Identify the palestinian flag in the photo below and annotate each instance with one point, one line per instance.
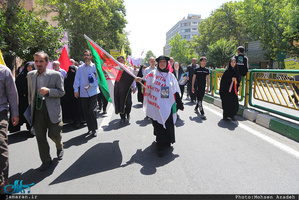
(115, 79)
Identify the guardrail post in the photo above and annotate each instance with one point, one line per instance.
(247, 90)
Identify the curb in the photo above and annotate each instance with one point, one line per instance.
(282, 127)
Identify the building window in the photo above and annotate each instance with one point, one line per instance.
(194, 23)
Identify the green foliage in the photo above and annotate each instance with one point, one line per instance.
(147, 56)
(224, 22)
(24, 33)
(220, 52)
(102, 21)
(275, 24)
(181, 50)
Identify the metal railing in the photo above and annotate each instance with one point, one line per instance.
(274, 87)
(268, 86)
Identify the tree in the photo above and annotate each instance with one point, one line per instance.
(24, 34)
(220, 53)
(102, 21)
(274, 23)
(147, 56)
(181, 50)
(224, 22)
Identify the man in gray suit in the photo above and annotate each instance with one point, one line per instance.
(45, 87)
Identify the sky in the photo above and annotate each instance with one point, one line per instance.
(149, 20)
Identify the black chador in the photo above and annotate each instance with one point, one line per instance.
(229, 98)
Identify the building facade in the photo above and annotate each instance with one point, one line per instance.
(186, 28)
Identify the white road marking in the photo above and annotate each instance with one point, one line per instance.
(280, 145)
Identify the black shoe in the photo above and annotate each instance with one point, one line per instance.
(94, 133)
(104, 112)
(233, 118)
(122, 121)
(45, 166)
(225, 119)
(196, 110)
(60, 154)
(203, 116)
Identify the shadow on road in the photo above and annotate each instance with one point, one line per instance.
(197, 119)
(190, 103)
(34, 175)
(69, 127)
(144, 122)
(230, 125)
(137, 106)
(18, 137)
(99, 158)
(149, 160)
(179, 122)
(77, 141)
(115, 125)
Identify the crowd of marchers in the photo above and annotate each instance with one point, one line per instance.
(45, 99)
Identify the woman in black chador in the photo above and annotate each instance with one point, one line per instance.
(229, 85)
(71, 106)
(21, 84)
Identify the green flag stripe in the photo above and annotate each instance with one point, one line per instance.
(101, 76)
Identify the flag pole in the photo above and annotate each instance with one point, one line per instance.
(107, 54)
(119, 64)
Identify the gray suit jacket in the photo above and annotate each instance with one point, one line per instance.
(53, 81)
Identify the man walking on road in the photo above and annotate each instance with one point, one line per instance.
(199, 80)
(45, 87)
(8, 100)
(86, 87)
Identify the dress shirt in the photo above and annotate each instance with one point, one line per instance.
(81, 79)
(63, 72)
(8, 92)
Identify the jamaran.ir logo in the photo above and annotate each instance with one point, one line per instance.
(17, 187)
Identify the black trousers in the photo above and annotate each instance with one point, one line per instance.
(102, 101)
(200, 93)
(128, 105)
(182, 88)
(89, 105)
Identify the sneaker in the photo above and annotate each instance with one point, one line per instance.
(203, 116)
(94, 133)
(45, 166)
(225, 119)
(233, 118)
(60, 153)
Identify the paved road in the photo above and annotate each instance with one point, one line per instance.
(209, 157)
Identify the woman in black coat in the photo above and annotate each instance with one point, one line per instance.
(229, 85)
(71, 107)
(139, 86)
(178, 71)
(21, 84)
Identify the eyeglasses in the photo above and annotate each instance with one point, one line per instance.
(86, 55)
